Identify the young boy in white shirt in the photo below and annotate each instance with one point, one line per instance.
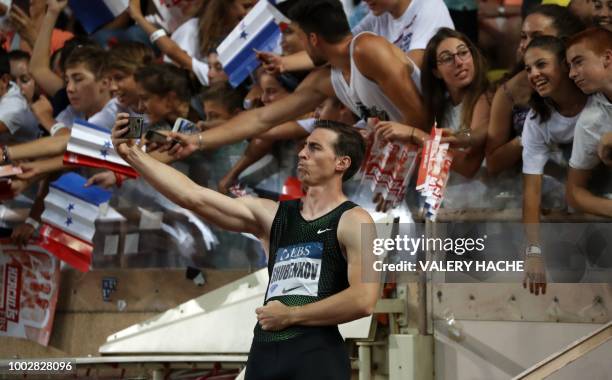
(589, 54)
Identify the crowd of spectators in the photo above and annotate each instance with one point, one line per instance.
(537, 131)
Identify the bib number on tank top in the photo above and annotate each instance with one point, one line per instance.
(297, 270)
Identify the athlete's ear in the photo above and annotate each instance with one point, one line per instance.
(343, 163)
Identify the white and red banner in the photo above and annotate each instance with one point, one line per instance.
(29, 286)
(91, 146)
(388, 168)
(69, 219)
(434, 172)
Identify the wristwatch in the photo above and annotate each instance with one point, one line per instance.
(533, 251)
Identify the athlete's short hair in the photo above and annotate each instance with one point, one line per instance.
(597, 39)
(349, 143)
(323, 17)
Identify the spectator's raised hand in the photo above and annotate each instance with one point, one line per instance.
(272, 63)
(43, 110)
(181, 145)
(105, 179)
(56, 6)
(23, 24)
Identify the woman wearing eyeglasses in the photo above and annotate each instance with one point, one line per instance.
(455, 92)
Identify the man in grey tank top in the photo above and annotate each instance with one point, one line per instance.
(324, 29)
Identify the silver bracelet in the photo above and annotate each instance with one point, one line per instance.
(56, 127)
(533, 251)
(156, 35)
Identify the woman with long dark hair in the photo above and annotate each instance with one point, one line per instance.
(547, 136)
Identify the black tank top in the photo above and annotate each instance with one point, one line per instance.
(305, 265)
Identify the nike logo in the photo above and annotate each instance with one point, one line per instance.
(285, 291)
(319, 232)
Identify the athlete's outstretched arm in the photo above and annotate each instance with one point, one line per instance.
(252, 215)
(311, 92)
(355, 302)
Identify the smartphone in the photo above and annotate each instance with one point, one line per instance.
(157, 137)
(135, 126)
(184, 126)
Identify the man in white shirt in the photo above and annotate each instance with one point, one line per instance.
(408, 24)
(589, 54)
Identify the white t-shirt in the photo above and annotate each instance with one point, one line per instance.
(414, 28)
(186, 37)
(105, 118)
(13, 108)
(541, 141)
(594, 121)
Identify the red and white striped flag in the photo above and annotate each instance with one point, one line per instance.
(71, 210)
(91, 146)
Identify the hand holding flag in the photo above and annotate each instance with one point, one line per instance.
(272, 63)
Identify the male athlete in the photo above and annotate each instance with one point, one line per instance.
(314, 248)
(367, 73)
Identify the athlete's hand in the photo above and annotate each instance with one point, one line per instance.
(274, 316)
